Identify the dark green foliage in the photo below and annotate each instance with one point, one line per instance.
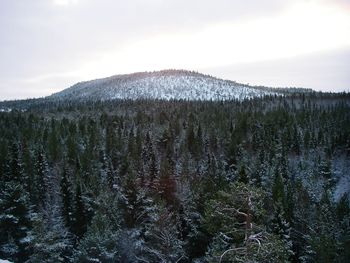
(15, 222)
(52, 242)
(242, 175)
(343, 207)
(176, 181)
(67, 199)
(14, 166)
(162, 242)
(235, 219)
(79, 224)
(40, 179)
(100, 242)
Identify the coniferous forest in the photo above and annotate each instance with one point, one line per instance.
(259, 180)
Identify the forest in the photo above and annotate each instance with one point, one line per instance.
(259, 180)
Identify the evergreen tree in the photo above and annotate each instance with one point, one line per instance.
(15, 222)
(79, 222)
(236, 237)
(52, 242)
(41, 178)
(167, 181)
(162, 243)
(14, 165)
(67, 200)
(100, 243)
(191, 139)
(242, 175)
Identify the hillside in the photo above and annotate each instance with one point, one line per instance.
(166, 84)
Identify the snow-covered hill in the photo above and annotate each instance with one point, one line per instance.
(166, 84)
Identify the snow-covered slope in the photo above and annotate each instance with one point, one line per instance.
(166, 84)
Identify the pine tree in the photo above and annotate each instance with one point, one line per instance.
(343, 247)
(54, 146)
(15, 222)
(237, 237)
(67, 200)
(79, 223)
(129, 199)
(243, 176)
(14, 165)
(326, 173)
(343, 208)
(41, 178)
(52, 241)
(162, 243)
(231, 154)
(100, 243)
(110, 138)
(323, 239)
(167, 183)
(191, 140)
(153, 171)
(281, 227)
(71, 148)
(278, 194)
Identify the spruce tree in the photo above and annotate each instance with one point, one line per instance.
(67, 199)
(79, 223)
(41, 177)
(242, 175)
(15, 218)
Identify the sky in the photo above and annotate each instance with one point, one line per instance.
(49, 45)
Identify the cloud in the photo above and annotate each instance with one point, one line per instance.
(326, 71)
(65, 2)
(53, 43)
(303, 29)
(342, 3)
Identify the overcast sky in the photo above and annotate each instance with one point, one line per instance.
(48, 45)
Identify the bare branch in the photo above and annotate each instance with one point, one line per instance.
(230, 250)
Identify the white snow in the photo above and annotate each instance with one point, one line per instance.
(342, 172)
(165, 85)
